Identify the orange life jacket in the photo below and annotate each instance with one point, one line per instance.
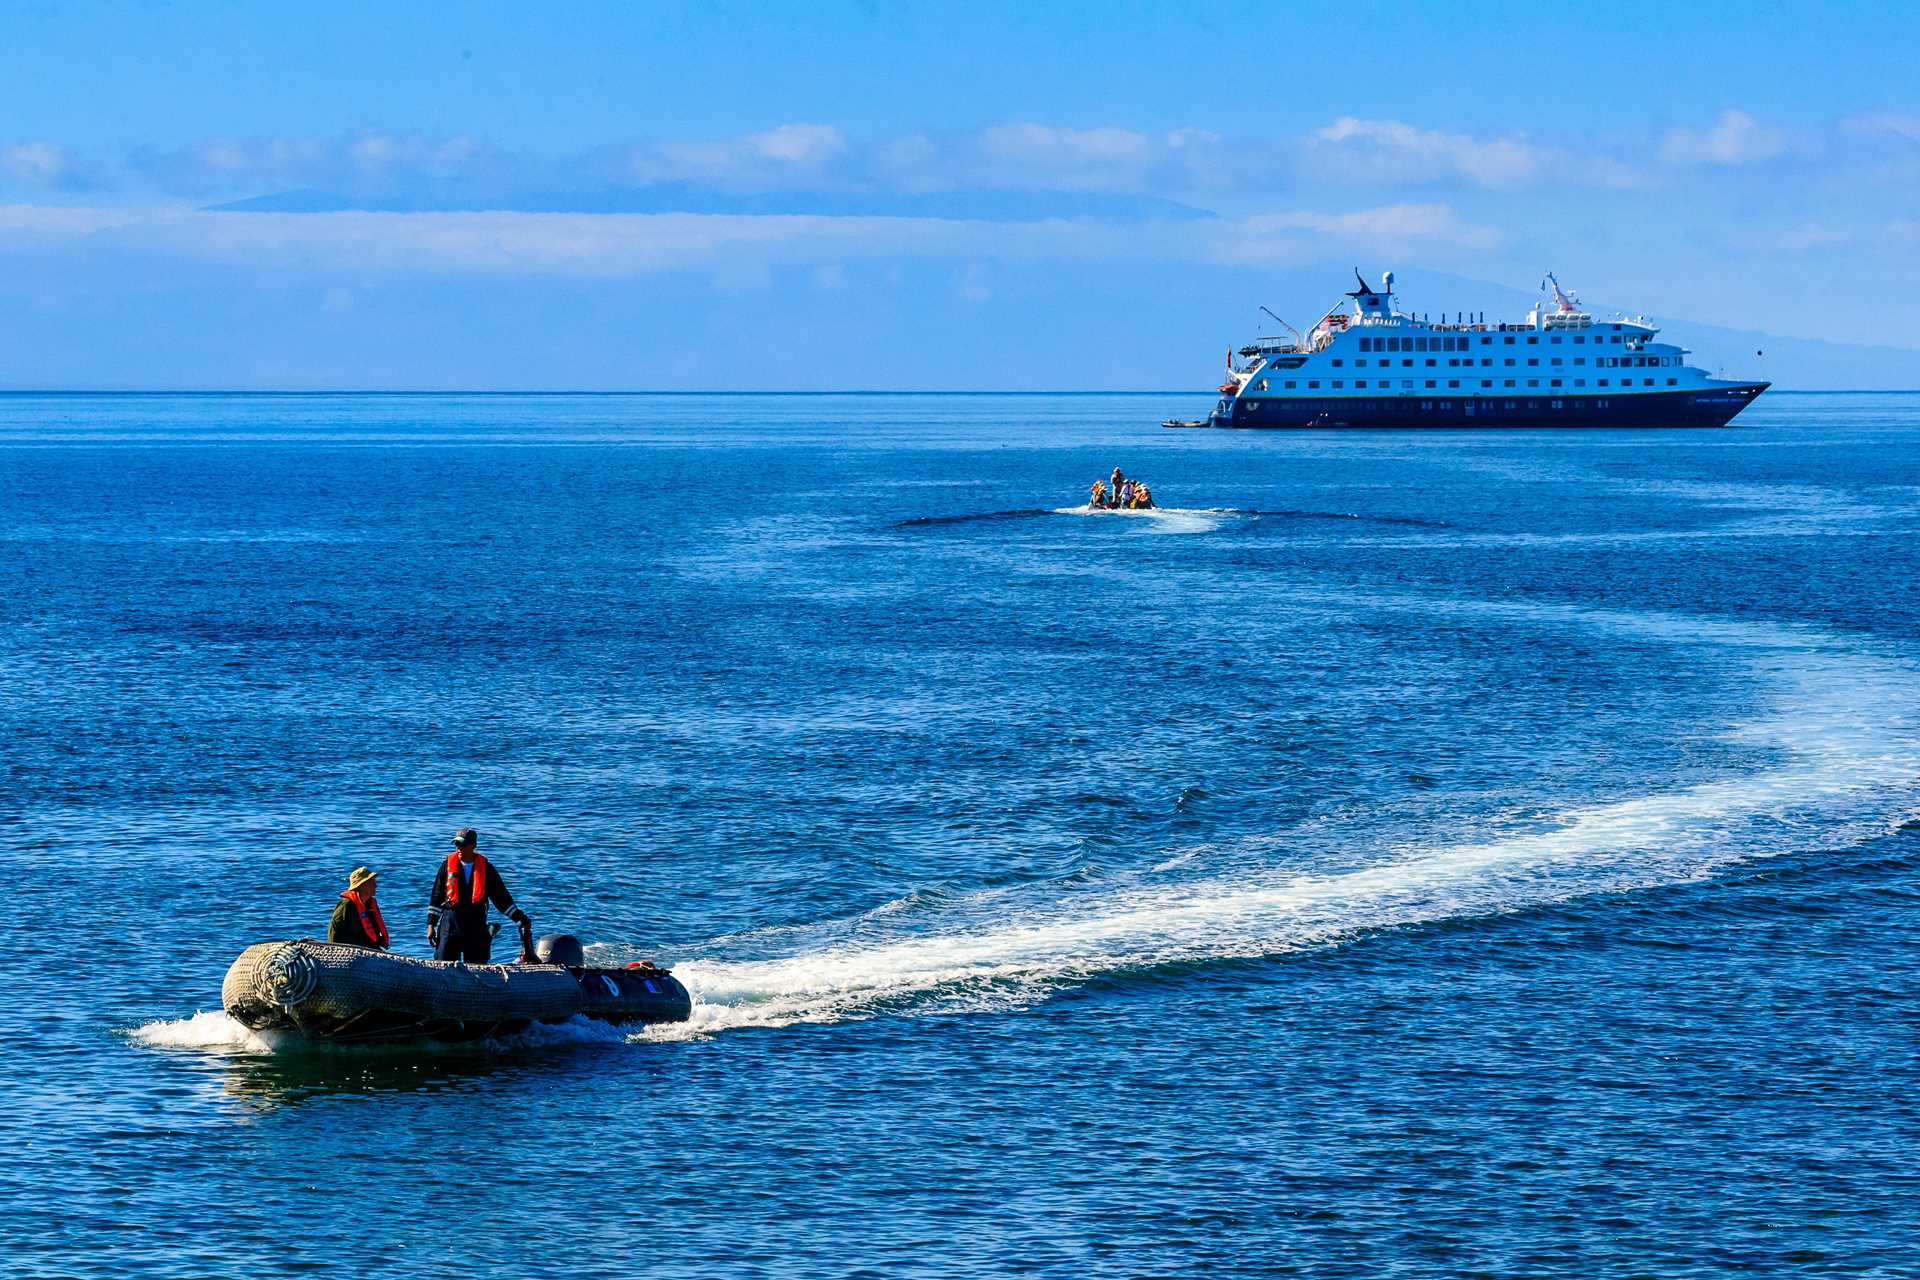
(453, 880)
(371, 924)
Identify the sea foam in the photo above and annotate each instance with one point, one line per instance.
(1842, 724)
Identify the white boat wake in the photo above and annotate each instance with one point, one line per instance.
(1843, 725)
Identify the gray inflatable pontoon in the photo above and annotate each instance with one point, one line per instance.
(351, 995)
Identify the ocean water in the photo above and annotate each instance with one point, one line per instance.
(1439, 854)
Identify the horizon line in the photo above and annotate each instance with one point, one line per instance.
(29, 392)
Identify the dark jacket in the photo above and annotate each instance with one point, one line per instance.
(465, 916)
(345, 927)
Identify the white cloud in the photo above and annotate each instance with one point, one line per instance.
(622, 245)
(1028, 156)
(1736, 138)
(1305, 236)
(1884, 123)
(1037, 155)
(41, 163)
(1390, 150)
(249, 164)
(774, 157)
(25, 226)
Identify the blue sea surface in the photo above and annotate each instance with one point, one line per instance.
(1423, 854)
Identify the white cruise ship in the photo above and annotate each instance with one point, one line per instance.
(1376, 366)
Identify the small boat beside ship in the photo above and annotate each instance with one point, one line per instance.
(335, 993)
(1375, 366)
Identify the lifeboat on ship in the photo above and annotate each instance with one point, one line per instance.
(334, 993)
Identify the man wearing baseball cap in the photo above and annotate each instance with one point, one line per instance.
(457, 908)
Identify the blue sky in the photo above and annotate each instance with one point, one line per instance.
(978, 195)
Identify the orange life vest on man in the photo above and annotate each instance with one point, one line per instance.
(479, 894)
(371, 924)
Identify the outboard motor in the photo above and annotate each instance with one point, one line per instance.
(562, 949)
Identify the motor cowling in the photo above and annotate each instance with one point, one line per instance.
(560, 948)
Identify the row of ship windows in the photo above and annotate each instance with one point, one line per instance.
(1461, 344)
(1428, 406)
(1361, 383)
(1600, 362)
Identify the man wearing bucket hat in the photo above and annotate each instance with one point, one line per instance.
(457, 908)
(356, 920)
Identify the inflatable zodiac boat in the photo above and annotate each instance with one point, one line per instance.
(351, 995)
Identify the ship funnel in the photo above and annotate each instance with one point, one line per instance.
(1386, 282)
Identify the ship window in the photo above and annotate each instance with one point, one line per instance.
(1360, 384)
(1406, 364)
(1673, 382)
(1533, 404)
(1533, 382)
(1313, 385)
(1603, 382)
(1556, 404)
(1553, 382)
(1578, 341)
(1366, 344)
(1292, 385)
(1557, 360)
(1533, 342)
(1406, 384)
(1579, 382)
(1429, 381)
(1533, 362)
(1453, 382)
(1509, 339)
(1555, 339)
(1336, 364)
(1429, 362)
(1486, 363)
(1508, 362)
(1485, 341)
(1647, 382)
(1579, 359)
(1508, 383)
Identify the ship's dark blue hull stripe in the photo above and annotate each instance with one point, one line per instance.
(1702, 407)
